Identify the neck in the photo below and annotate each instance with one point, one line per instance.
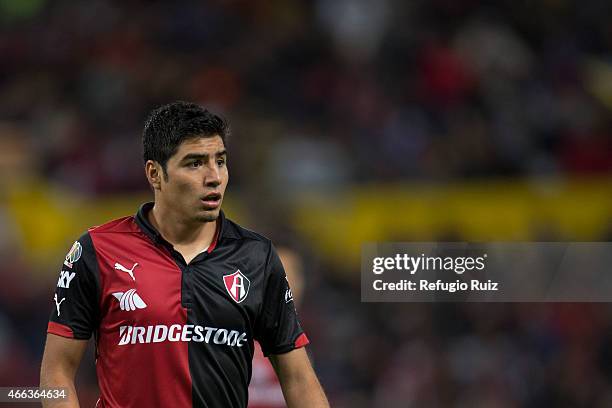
(180, 232)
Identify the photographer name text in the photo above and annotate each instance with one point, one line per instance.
(423, 264)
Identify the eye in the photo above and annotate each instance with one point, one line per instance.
(195, 164)
(220, 162)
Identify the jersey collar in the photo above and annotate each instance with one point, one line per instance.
(149, 230)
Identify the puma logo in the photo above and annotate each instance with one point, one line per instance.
(122, 268)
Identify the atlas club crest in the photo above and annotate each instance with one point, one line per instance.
(237, 285)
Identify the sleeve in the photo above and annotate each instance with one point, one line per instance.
(75, 302)
(279, 329)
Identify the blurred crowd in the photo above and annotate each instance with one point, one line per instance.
(344, 90)
(324, 94)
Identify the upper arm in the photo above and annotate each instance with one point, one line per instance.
(291, 365)
(75, 304)
(74, 312)
(298, 380)
(62, 355)
(278, 329)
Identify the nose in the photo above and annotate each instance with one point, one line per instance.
(212, 178)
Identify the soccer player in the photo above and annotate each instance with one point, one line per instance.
(176, 295)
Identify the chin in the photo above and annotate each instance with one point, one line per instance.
(208, 216)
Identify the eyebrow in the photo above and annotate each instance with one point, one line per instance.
(202, 156)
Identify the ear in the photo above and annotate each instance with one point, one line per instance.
(154, 174)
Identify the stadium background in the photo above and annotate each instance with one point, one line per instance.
(353, 121)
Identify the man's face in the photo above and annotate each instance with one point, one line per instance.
(197, 177)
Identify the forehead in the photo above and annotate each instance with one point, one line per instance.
(209, 145)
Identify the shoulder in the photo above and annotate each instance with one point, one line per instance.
(258, 245)
(113, 231)
(119, 225)
(234, 231)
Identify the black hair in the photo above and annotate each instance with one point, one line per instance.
(169, 125)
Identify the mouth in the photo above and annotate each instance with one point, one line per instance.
(211, 200)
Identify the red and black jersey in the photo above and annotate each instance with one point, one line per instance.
(168, 333)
